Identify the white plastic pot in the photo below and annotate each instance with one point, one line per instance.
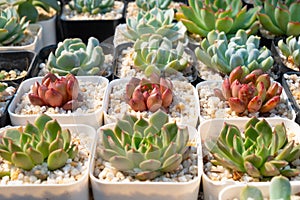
(104, 190)
(49, 31)
(93, 119)
(212, 128)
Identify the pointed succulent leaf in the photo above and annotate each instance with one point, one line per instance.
(57, 159)
(22, 160)
(171, 163)
(121, 163)
(150, 165)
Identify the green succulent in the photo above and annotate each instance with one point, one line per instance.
(12, 27)
(156, 53)
(280, 188)
(280, 18)
(149, 4)
(155, 21)
(92, 6)
(291, 50)
(44, 140)
(144, 149)
(75, 57)
(217, 53)
(259, 151)
(201, 17)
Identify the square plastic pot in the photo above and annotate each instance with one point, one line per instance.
(212, 128)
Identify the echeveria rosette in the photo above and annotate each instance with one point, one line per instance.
(91, 6)
(251, 93)
(150, 4)
(144, 148)
(291, 50)
(43, 141)
(217, 52)
(75, 57)
(280, 18)
(260, 151)
(157, 54)
(201, 17)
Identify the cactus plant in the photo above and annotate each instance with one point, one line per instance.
(252, 93)
(279, 18)
(12, 27)
(144, 149)
(155, 21)
(73, 56)
(91, 6)
(55, 92)
(157, 54)
(44, 140)
(201, 17)
(291, 50)
(259, 151)
(148, 5)
(217, 53)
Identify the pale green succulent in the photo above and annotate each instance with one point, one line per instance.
(279, 17)
(201, 17)
(12, 27)
(157, 54)
(75, 57)
(44, 140)
(149, 4)
(144, 149)
(291, 50)
(92, 6)
(260, 151)
(217, 53)
(155, 21)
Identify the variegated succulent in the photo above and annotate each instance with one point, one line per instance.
(251, 93)
(201, 17)
(259, 151)
(155, 21)
(155, 54)
(75, 57)
(149, 4)
(153, 94)
(279, 17)
(291, 50)
(92, 6)
(144, 148)
(222, 55)
(43, 141)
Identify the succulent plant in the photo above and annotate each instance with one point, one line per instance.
(259, 151)
(144, 149)
(280, 188)
(92, 6)
(149, 94)
(280, 18)
(227, 16)
(291, 50)
(45, 140)
(217, 53)
(251, 93)
(149, 4)
(73, 56)
(155, 53)
(155, 21)
(12, 27)
(55, 92)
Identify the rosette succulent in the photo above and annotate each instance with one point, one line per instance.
(75, 57)
(149, 4)
(12, 27)
(155, 21)
(144, 149)
(251, 93)
(92, 6)
(291, 50)
(259, 151)
(55, 92)
(156, 54)
(43, 141)
(280, 18)
(153, 94)
(201, 17)
(223, 56)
